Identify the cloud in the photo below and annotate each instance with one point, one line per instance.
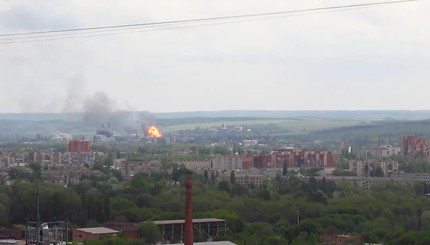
(33, 16)
(301, 62)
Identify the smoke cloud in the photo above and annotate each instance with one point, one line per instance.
(101, 110)
(74, 94)
(98, 109)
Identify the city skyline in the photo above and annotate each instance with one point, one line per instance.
(372, 58)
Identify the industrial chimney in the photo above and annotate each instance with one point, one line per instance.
(188, 238)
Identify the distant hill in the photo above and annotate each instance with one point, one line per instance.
(41, 116)
(341, 114)
(324, 124)
(331, 114)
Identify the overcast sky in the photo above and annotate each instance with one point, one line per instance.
(361, 59)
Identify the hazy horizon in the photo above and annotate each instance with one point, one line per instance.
(96, 117)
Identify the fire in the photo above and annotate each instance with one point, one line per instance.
(154, 132)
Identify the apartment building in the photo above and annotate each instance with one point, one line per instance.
(368, 167)
(296, 157)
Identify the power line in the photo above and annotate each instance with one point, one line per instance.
(174, 24)
(119, 32)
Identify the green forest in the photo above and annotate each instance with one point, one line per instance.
(284, 210)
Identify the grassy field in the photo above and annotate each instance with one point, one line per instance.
(358, 132)
(292, 126)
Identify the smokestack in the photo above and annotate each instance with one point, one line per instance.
(188, 238)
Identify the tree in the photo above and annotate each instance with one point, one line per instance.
(37, 170)
(323, 185)
(313, 184)
(238, 189)
(265, 194)
(425, 220)
(19, 173)
(212, 178)
(379, 172)
(150, 232)
(232, 177)
(258, 231)
(206, 175)
(420, 188)
(284, 168)
(177, 173)
(220, 150)
(317, 196)
(3, 216)
(224, 186)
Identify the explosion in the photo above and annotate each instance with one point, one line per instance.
(154, 132)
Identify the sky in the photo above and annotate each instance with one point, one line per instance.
(373, 58)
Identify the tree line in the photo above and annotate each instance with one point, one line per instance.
(283, 210)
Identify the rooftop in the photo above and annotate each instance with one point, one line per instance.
(98, 230)
(181, 221)
(210, 243)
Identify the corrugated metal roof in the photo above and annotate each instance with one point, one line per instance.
(98, 230)
(210, 243)
(8, 241)
(181, 221)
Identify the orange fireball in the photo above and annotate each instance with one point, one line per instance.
(154, 132)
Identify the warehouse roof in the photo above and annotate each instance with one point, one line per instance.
(98, 230)
(181, 221)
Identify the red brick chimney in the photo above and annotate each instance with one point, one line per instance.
(188, 237)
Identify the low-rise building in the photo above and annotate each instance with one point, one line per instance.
(247, 162)
(63, 176)
(172, 230)
(87, 234)
(383, 151)
(79, 146)
(196, 165)
(251, 179)
(415, 147)
(227, 162)
(367, 183)
(129, 230)
(130, 167)
(249, 143)
(65, 158)
(62, 137)
(368, 167)
(329, 239)
(296, 157)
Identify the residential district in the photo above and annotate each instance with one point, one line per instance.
(371, 166)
